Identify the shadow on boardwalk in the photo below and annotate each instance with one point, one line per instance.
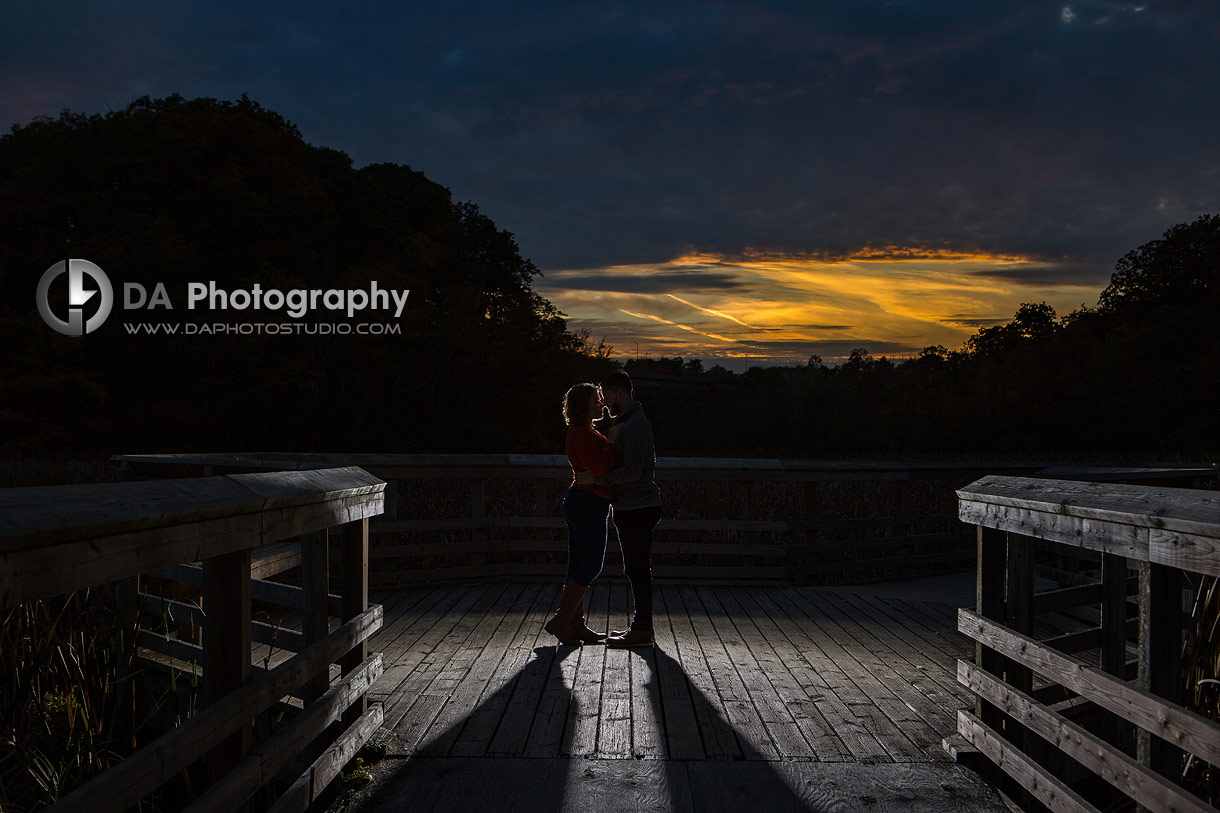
(681, 779)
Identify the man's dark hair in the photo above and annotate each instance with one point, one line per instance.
(618, 380)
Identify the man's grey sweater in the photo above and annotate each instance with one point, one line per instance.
(635, 460)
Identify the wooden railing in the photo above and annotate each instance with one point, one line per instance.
(462, 518)
(59, 539)
(1077, 716)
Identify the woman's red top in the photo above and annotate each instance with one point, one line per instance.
(588, 449)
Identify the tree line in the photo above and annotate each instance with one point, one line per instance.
(1133, 377)
(173, 190)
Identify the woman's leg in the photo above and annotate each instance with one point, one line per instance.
(587, 545)
(585, 514)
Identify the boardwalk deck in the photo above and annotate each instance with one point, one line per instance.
(811, 698)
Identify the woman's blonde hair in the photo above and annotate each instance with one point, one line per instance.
(576, 403)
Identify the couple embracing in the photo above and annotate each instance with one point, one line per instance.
(615, 469)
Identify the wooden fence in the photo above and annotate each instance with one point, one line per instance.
(59, 539)
(463, 518)
(1078, 716)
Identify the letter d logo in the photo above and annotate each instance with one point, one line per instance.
(78, 295)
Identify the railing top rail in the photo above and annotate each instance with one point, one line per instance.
(763, 467)
(56, 539)
(1174, 526)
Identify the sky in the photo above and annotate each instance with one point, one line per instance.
(745, 183)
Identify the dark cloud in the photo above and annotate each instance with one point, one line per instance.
(658, 282)
(1047, 276)
(974, 322)
(632, 133)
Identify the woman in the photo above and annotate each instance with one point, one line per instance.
(586, 509)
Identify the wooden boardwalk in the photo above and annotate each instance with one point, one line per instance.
(810, 698)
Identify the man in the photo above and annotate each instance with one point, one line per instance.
(636, 502)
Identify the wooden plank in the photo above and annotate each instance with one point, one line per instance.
(519, 650)
(313, 552)
(1185, 728)
(612, 715)
(1088, 533)
(355, 541)
(226, 647)
(285, 595)
(269, 560)
(890, 692)
(400, 579)
(1048, 790)
(719, 739)
(1160, 655)
(1091, 751)
(232, 790)
(45, 516)
(863, 729)
(743, 649)
(771, 651)
(313, 782)
(444, 670)
(526, 692)
(1185, 510)
(1197, 552)
(138, 531)
(670, 690)
(125, 784)
(646, 714)
(387, 526)
(310, 785)
(935, 694)
(552, 728)
(417, 640)
(849, 678)
(1049, 601)
(579, 678)
(887, 563)
(1018, 604)
(989, 601)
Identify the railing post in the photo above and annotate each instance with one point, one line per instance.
(315, 584)
(1114, 640)
(478, 510)
(1160, 662)
(355, 599)
(809, 510)
(542, 499)
(391, 500)
(1019, 601)
(226, 646)
(1019, 611)
(989, 603)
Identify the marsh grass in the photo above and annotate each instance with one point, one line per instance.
(63, 701)
(1202, 663)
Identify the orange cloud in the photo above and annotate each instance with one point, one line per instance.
(784, 308)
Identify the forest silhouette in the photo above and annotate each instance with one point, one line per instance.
(174, 190)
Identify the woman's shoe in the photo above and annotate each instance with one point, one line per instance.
(563, 629)
(631, 638)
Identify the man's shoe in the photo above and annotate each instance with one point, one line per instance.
(631, 638)
(583, 632)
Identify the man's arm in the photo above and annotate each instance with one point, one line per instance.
(637, 445)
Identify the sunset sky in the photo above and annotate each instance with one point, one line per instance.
(747, 183)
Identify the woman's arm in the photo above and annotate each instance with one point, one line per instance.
(594, 452)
